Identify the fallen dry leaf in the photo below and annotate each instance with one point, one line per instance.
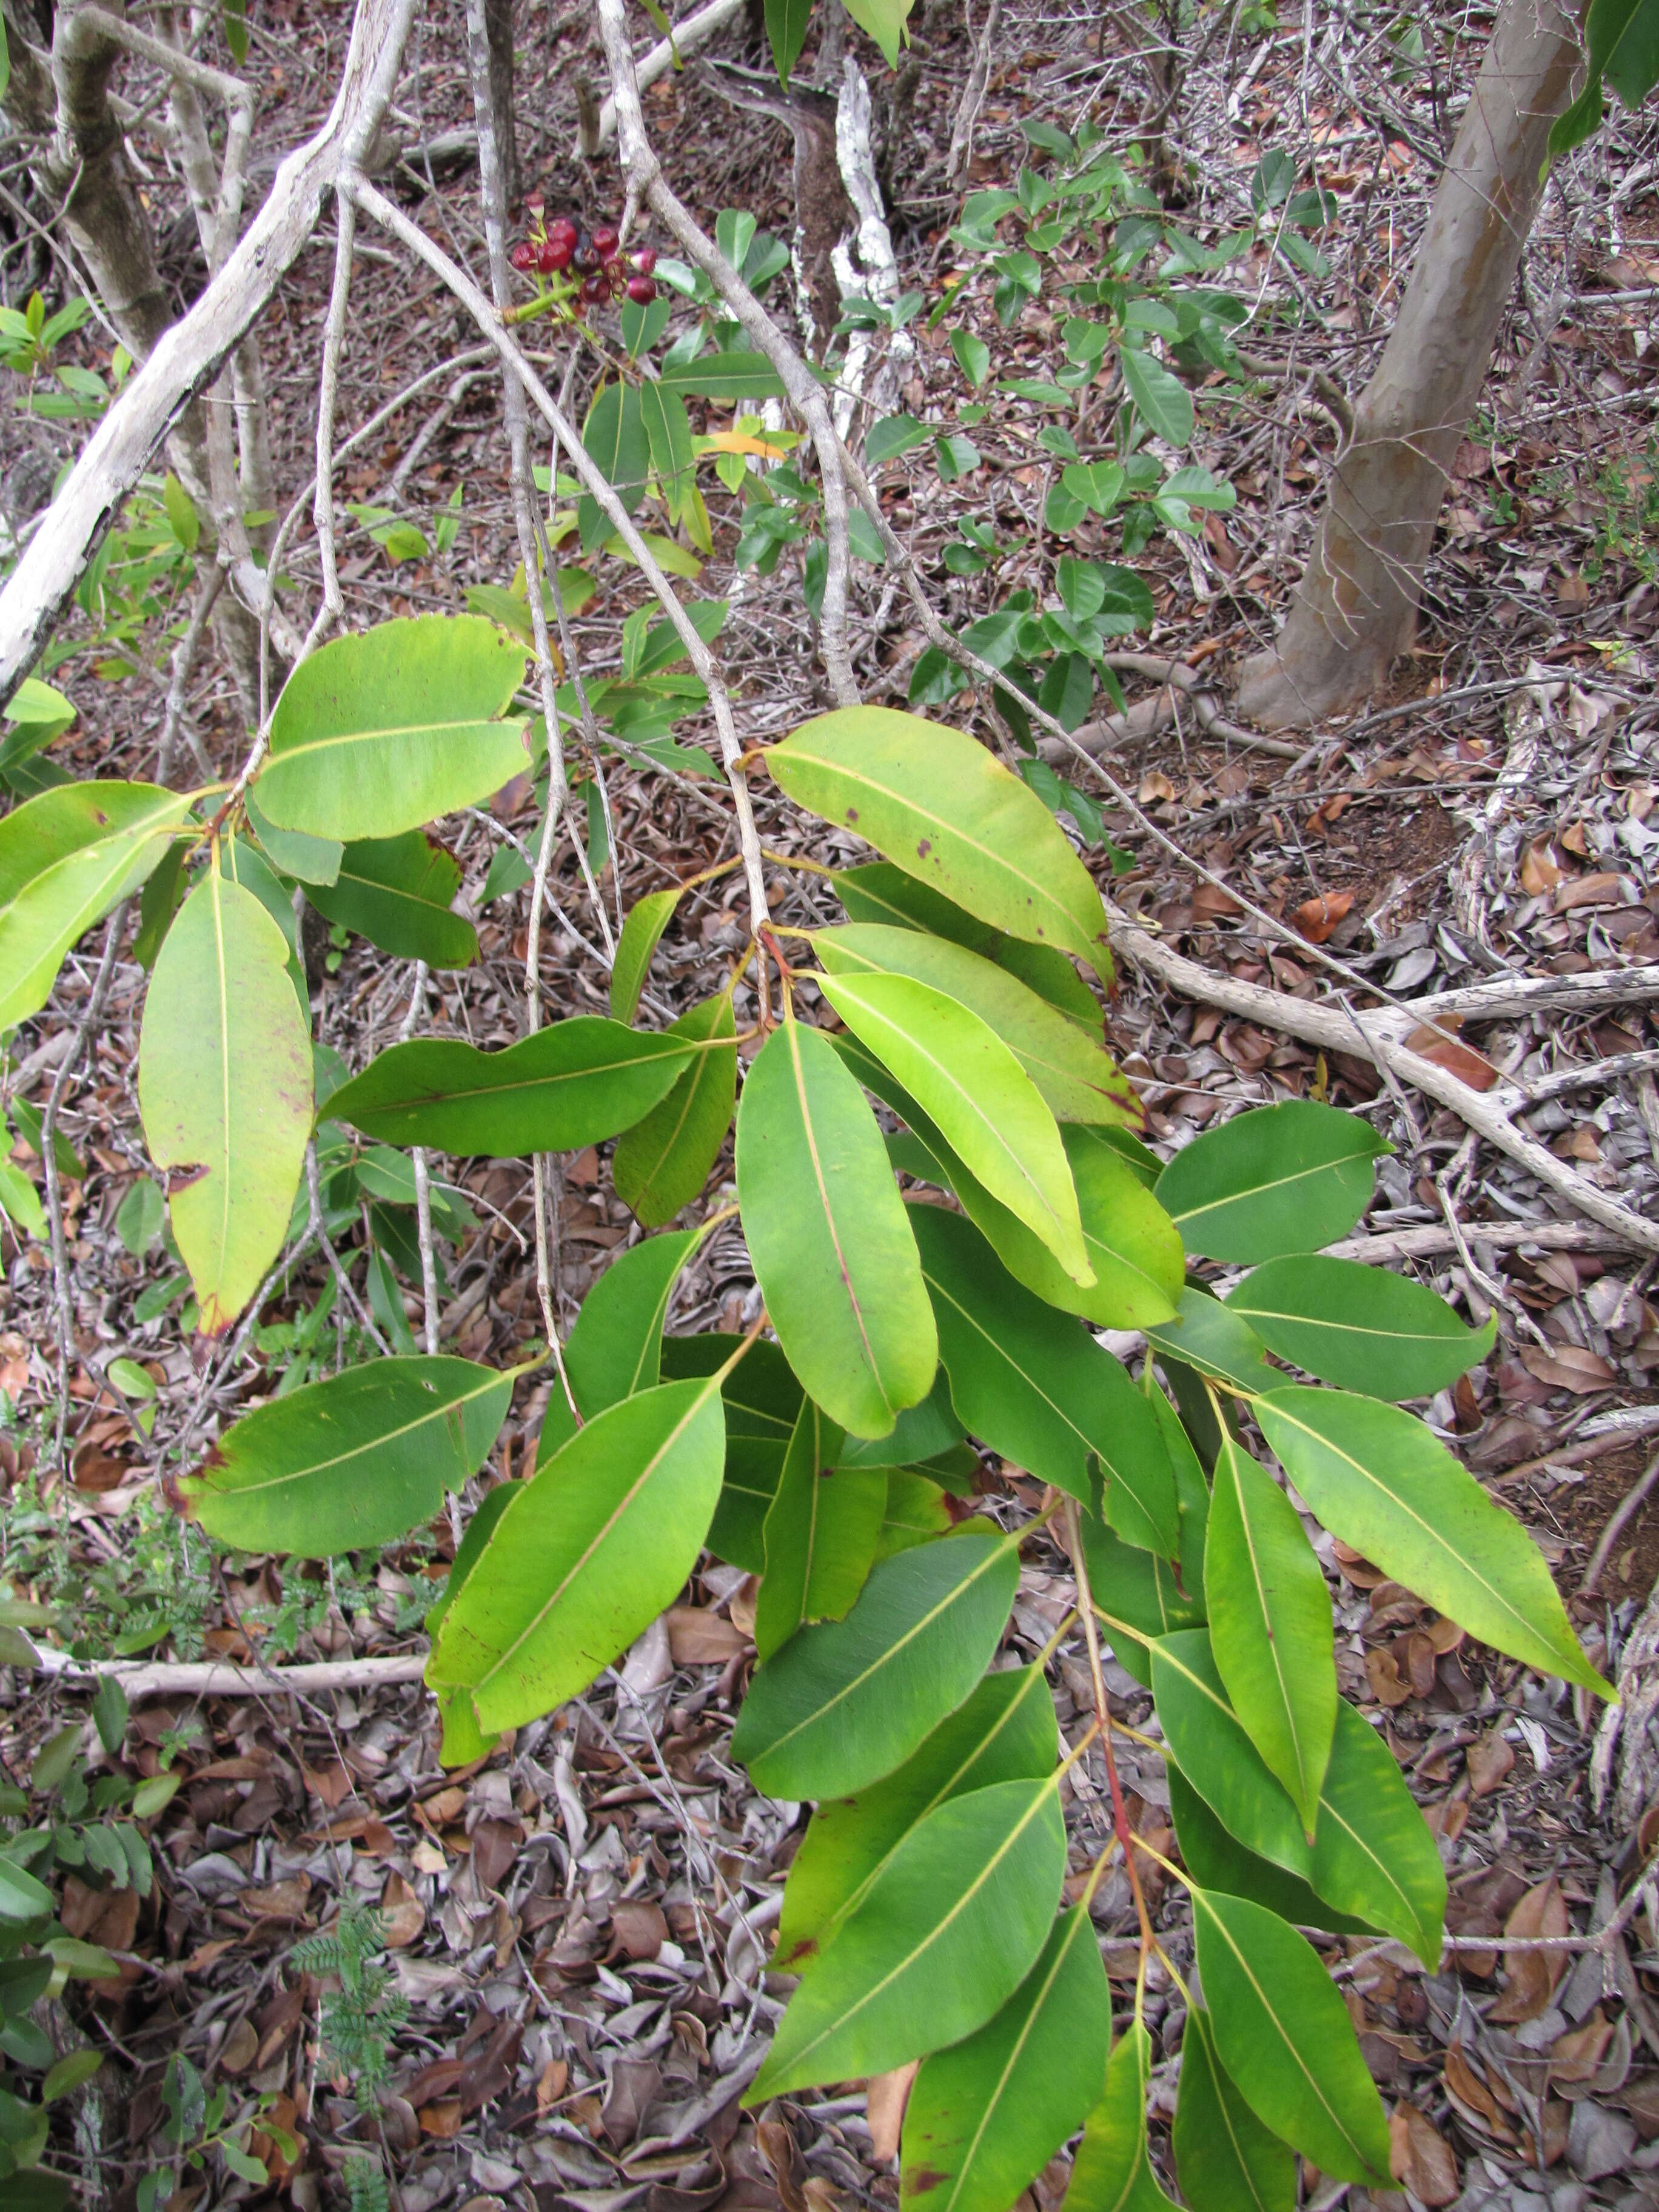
(640, 1928)
(698, 1637)
(884, 2103)
(402, 1914)
(276, 1900)
(239, 2048)
(1531, 1976)
(1576, 2056)
(1489, 1761)
(1458, 1059)
(442, 2120)
(1211, 903)
(1467, 2089)
(1568, 1367)
(1383, 1674)
(1600, 889)
(1540, 871)
(1419, 2157)
(1316, 918)
(1154, 786)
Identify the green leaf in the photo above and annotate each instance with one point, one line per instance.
(820, 1536)
(762, 1399)
(310, 859)
(987, 1108)
(615, 1350)
(915, 1511)
(663, 1161)
(1382, 1482)
(1113, 2171)
(878, 892)
(20, 1202)
(884, 20)
(1276, 1180)
(1225, 2160)
(668, 433)
(725, 377)
(225, 1089)
(1137, 1596)
(985, 2117)
(1375, 1857)
(1216, 1860)
(234, 18)
(1039, 1389)
(587, 1556)
(1078, 1081)
(1212, 1338)
(22, 1898)
(973, 357)
(1210, 1744)
(1284, 2035)
(944, 1934)
(1271, 1628)
(829, 1235)
(648, 917)
(1130, 1241)
(935, 801)
(1359, 1327)
(843, 1704)
(396, 891)
(1163, 399)
(1004, 1732)
(892, 435)
(572, 1084)
(72, 2072)
(614, 436)
(922, 1432)
(379, 732)
(248, 866)
(359, 1459)
(66, 858)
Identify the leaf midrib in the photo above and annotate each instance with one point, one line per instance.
(428, 1414)
(426, 727)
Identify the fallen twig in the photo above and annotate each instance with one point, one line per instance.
(216, 1678)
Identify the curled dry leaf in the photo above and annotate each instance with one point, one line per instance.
(1419, 2157)
(698, 1637)
(1568, 1367)
(1540, 871)
(1489, 1761)
(1532, 1975)
(1460, 1060)
(640, 1928)
(402, 1914)
(1316, 918)
(1472, 2096)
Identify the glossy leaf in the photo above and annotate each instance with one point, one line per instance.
(1279, 1179)
(594, 1546)
(572, 1084)
(938, 803)
(922, 1432)
(878, 892)
(1374, 1855)
(1225, 2160)
(1383, 1483)
(845, 1703)
(1162, 398)
(396, 891)
(1039, 1389)
(615, 1347)
(985, 2117)
(944, 1934)
(379, 732)
(308, 859)
(986, 1107)
(1131, 1243)
(663, 1161)
(1139, 1595)
(360, 1459)
(1283, 2033)
(648, 917)
(1212, 1338)
(828, 1235)
(799, 1523)
(1004, 1732)
(1113, 2171)
(66, 858)
(1077, 1079)
(884, 20)
(1217, 1860)
(1361, 1328)
(225, 1091)
(762, 1399)
(915, 1510)
(1210, 1744)
(1271, 1629)
(785, 32)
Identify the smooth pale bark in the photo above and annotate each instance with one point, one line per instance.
(1356, 608)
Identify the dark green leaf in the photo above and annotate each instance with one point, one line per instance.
(762, 1399)
(663, 1161)
(1361, 1328)
(1278, 1179)
(1113, 2171)
(1227, 2161)
(397, 892)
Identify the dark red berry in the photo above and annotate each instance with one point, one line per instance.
(555, 254)
(605, 240)
(584, 260)
(594, 288)
(522, 255)
(562, 231)
(641, 290)
(546, 256)
(645, 259)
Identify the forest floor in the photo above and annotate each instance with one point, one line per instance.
(576, 1929)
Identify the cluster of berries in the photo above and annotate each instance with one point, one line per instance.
(589, 262)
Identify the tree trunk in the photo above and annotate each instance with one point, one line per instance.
(1356, 607)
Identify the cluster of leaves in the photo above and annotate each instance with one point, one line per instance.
(29, 340)
(64, 1822)
(158, 1588)
(922, 1911)
(195, 2122)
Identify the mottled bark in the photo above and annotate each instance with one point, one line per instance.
(1355, 610)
